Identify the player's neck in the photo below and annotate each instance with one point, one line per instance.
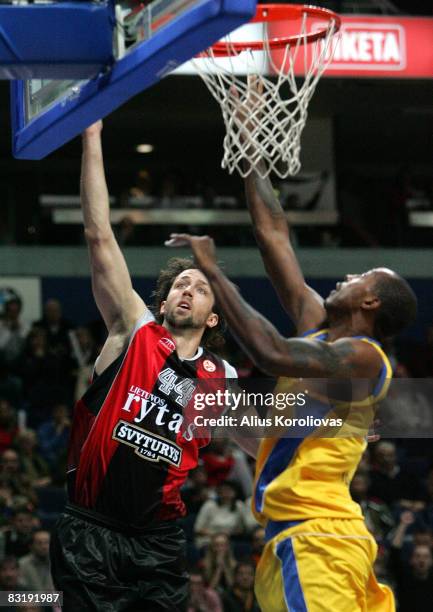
(347, 326)
(187, 341)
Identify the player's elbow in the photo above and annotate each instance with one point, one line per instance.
(101, 246)
(98, 237)
(272, 232)
(268, 361)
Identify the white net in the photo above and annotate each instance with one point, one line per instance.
(264, 115)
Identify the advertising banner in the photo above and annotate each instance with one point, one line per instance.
(399, 47)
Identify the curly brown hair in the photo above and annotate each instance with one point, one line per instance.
(213, 338)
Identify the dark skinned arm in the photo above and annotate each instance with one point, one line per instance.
(297, 357)
(271, 229)
(267, 348)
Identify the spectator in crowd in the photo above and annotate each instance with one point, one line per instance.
(378, 516)
(6, 505)
(10, 580)
(257, 544)
(53, 435)
(19, 486)
(218, 461)
(33, 464)
(56, 328)
(9, 574)
(225, 514)
(47, 377)
(381, 567)
(219, 563)
(389, 483)
(201, 597)
(414, 581)
(11, 387)
(16, 539)
(35, 567)
(8, 424)
(241, 598)
(13, 331)
(423, 536)
(140, 190)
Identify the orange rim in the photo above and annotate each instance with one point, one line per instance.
(278, 12)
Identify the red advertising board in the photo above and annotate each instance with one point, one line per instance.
(400, 47)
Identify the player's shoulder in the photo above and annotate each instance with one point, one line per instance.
(363, 354)
(148, 323)
(146, 318)
(151, 336)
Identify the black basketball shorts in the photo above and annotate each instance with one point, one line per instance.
(100, 569)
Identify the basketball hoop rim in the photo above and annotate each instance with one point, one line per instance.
(267, 13)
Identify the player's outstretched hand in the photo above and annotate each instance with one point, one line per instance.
(94, 129)
(248, 107)
(203, 248)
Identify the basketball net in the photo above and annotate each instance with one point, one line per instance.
(262, 122)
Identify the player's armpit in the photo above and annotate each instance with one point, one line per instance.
(117, 342)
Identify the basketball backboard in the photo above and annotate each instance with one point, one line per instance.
(150, 40)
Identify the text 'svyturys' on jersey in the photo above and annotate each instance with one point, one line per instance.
(130, 451)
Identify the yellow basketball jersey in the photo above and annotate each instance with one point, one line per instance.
(307, 478)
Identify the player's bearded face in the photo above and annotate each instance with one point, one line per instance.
(190, 302)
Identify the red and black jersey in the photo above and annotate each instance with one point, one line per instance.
(130, 452)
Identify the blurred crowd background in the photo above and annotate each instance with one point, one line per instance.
(366, 211)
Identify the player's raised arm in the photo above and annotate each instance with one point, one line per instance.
(296, 357)
(267, 348)
(271, 230)
(302, 303)
(117, 302)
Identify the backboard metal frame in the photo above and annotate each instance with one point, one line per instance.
(85, 102)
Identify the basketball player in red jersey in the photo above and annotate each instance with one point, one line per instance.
(117, 546)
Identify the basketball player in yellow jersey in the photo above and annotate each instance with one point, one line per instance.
(319, 555)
